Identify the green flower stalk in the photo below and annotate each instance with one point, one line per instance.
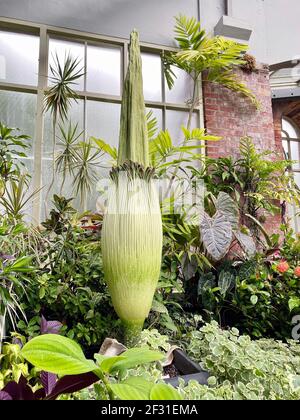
(132, 226)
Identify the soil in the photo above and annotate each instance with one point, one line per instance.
(171, 371)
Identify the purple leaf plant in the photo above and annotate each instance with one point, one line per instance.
(52, 386)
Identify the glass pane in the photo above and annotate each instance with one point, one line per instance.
(174, 121)
(103, 121)
(19, 55)
(28, 165)
(297, 178)
(157, 113)
(62, 49)
(285, 148)
(295, 149)
(59, 187)
(182, 90)
(290, 129)
(104, 69)
(75, 115)
(18, 110)
(152, 77)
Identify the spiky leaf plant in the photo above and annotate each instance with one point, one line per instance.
(132, 228)
(59, 97)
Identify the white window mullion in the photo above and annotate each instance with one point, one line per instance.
(39, 130)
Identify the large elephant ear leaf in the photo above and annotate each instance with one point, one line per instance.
(227, 206)
(216, 235)
(246, 242)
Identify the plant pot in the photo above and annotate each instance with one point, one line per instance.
(188, 370)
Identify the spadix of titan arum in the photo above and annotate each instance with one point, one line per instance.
(132, 226)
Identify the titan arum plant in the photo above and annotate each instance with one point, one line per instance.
(132, 226)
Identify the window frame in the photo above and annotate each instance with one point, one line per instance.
(288, 139)
(45, 32)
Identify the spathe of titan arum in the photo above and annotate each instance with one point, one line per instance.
(132, 226)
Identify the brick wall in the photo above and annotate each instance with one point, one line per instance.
(232, 116)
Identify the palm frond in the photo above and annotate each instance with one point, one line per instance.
(216, 57)
(160, 147)
(198, 134)
(230, 81)
(106, 148)
(189, 33)
(152, 126)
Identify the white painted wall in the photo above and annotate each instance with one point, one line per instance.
(283, 30)
(276, 27)
(275, 23)
(253, 12)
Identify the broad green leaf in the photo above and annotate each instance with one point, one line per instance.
(159, 307)
(56, 354)
(136, 357)
(21, 264)
(164, 392)
(128, 392)
(254, 300)
(42, 292)
(294, 303)
(226, 282)
(99, 358)
(106, 362)
(138, 382)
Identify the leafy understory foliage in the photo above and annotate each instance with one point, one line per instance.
(257, 180)
(64, 357)
(243, 369)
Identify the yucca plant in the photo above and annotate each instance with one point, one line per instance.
(17, 197)
(59, 97)
(66, 157)
(132, 227)
(85, 169)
